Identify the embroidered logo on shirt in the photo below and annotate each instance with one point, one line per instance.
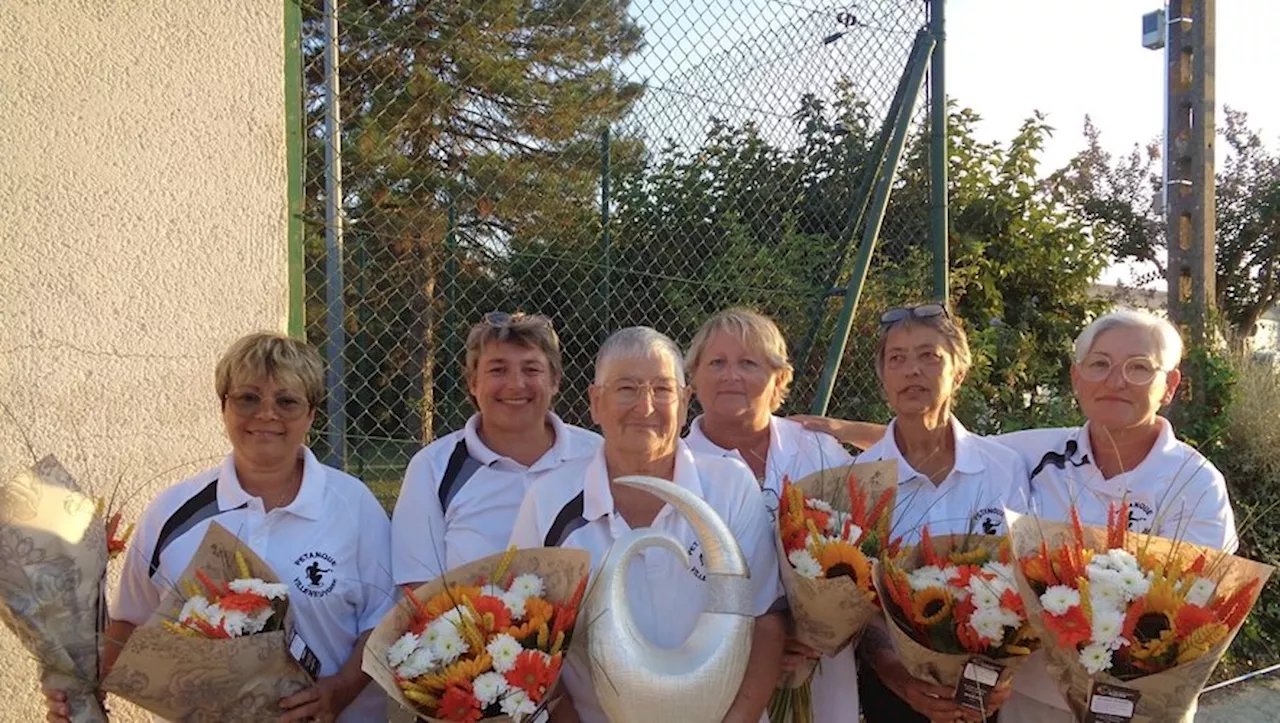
(317, 574)
(988, 521)
(699, 566)
(1140, 516)
(1060, 460)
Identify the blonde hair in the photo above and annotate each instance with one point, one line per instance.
(267, 355)
(756, 332)
(532, 331)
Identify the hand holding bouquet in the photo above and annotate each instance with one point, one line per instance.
(950, 600)
(484, 642)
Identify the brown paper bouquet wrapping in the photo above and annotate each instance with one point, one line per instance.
(186, 678)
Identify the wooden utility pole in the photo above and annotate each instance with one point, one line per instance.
(1189, 176)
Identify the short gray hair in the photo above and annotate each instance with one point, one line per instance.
(1164, 336)
(638, 342)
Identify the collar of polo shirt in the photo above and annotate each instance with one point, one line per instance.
(968, 460)
(481, 453)
(1166, 444)
(309, 502)
(597, 498)
(779, 448)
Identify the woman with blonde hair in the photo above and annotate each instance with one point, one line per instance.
(287, 507)
(740, 373)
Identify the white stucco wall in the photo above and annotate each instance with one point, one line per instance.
(142, 228)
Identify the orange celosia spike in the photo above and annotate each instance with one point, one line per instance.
(878, 510)
(857, 500)
(927, 553)
(210, 587)
(1077, 529)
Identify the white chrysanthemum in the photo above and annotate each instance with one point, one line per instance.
(420, 662)
(449, 646)
(194, 607)
(236, 623)
(432, 633)
(805, 563)
(1107, 626)
(1135, 583)
(983, 593)
(503, 649)
(1201, 591)
(1096, 658)
(453, 617)
(820, 506)
(517, 704)
(1000, 571)
(492, 590)
(401, 649)
(1058, 599)
(488, 687)
(269, 590)
(1106, 596)
(1122, 560)
(926, 577)
(258, 621)
(515, 604)
(990, 623)
(528, 585)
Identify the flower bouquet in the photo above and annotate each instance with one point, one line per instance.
(1130, 620)
(485, 641)
(831, 527)
(55, 542)
(220, 646)
(955, 614)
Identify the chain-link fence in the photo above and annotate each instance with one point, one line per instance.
(603, 162)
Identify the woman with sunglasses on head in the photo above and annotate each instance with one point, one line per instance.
(293, 511)
(1125, 370)
(950, 480)
(739, 371)
(461, 492)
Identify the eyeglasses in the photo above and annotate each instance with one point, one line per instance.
(250, 404)
(1136, 370)
(503, 320)
(923, 311)
(627, 391)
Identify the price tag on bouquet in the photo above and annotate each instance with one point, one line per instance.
(1111, 704)
(979, 677)
(302, 653)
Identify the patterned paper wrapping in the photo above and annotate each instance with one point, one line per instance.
(193, 679)
(828, 613)
(53, 557)
(560, 569)
(930, 665)
(1166, 696)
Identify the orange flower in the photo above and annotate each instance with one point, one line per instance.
(1070, 629)
(965, 633)
(1191, 618)
(493, 612)
(534, 673)
(1010, 600)
(1232, 609)
(245, 602)
(459, 704)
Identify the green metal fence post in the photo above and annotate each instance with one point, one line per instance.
(835, 351)
(293, 119)
(938, 154)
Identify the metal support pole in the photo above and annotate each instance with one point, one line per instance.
(871, 165)
(880, 201)
(336, 399)
(606, 290)
(938, 221)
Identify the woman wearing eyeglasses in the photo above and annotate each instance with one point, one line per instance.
(1125, 369)
(740, 373)
(293, 511)
(639, 400)
(948, 479)
(461, 493)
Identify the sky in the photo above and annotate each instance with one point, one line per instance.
(752, 60)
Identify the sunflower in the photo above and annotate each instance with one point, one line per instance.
(1149, 655)
(839, 558)
(931, 606)
(1163, 597)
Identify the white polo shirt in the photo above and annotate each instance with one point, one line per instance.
(665, 597)
(794, 453)
(433, 532)
(331, 546)
(1175, 492)
(985, 479)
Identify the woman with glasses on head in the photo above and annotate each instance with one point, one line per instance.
(461, 492)
(1125, 370)
(639, 400)
(740, 373)
(948, 479)
(293, 511)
